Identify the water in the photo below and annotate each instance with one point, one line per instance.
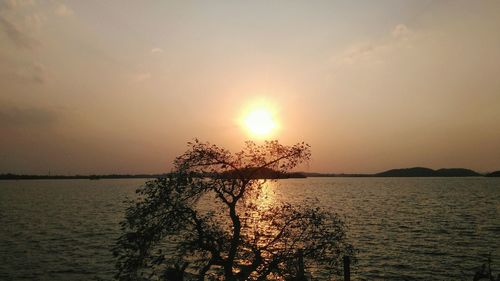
(404, 228)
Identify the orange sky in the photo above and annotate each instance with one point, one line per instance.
(121, 86)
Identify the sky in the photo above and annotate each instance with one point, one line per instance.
(121, 86)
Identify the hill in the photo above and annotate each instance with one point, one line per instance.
(426, 172)
(494, 174)
(457, 172)
(408, 172)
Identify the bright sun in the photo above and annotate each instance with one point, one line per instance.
(260, 122)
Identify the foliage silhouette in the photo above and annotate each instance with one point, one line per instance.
(170, 231)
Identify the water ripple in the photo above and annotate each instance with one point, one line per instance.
(405, 229)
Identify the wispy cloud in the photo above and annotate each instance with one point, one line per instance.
(16, 71)
(15, 4)
(401, 31)
(20, 22)
(157, 50)
(34, 73)
(64, 11)
(14, 116)
(374, 52)
(34, 21)
(19, 37)
(141, 77)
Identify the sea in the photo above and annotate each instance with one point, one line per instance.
(403, 228)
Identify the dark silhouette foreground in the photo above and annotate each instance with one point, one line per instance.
(485, 273)
(170, 233)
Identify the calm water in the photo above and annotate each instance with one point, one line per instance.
(405, 229)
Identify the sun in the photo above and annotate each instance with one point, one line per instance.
(260, 122)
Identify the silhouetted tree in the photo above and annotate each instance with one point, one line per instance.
(205, 221)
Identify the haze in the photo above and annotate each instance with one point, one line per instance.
(121, 86)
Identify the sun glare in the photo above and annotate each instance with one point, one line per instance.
(260, 122)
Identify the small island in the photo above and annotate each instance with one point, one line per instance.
(426, 172)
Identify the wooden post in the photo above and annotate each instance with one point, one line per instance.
(301, 274)
(347, 268)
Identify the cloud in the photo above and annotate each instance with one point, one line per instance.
(64, 11)
(20, 38)
(34, 21)
(142, 77)
(15, 117)
(34, 73)
(15, 4)
(401, 31)
(356, 53)
(375, 52)
(20, 23)
(157, 50)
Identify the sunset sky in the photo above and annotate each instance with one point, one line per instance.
(121, 86)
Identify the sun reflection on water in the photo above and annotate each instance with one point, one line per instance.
(266, 197)
(259, 216)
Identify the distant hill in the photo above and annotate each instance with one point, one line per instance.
(426, 172)
(494, 174)
(457, 172)
(408, 172)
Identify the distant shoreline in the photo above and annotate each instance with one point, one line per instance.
(406, 172)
